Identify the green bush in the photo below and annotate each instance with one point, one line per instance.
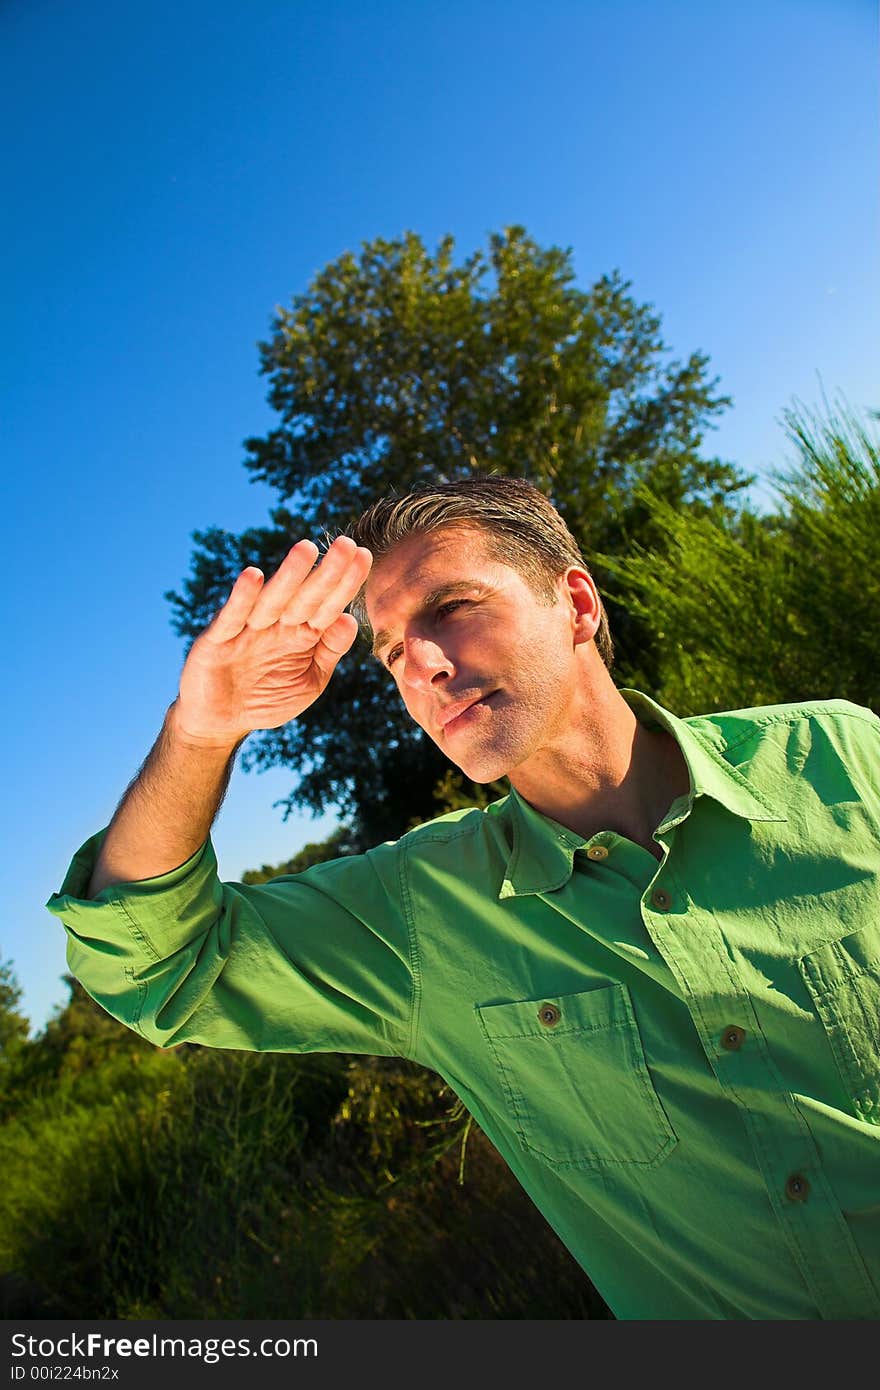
(200, 1184)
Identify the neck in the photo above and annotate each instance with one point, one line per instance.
(606, 771)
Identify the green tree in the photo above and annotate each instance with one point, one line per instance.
(755, 610)
(198, 1182)
(14, 1029)
(14, 1025)
(76, 1043)
(400, 368)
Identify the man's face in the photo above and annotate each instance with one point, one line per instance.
(487, 667)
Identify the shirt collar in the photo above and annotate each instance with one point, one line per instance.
(542, 857)
(710, 773)
(543, 852)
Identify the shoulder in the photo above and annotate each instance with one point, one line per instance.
(467, 840)
(468, 822)
(727, 729)
(833, 745)
(460, 840)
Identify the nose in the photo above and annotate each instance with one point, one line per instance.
(425, 664)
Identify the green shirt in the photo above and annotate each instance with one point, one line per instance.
(679, 1060)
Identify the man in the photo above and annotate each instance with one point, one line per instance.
(652, 972)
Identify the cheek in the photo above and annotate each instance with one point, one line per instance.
(411, 704)
(545, 678)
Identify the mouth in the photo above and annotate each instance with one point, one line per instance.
(458, 716)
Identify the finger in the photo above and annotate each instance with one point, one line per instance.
(235, 612)
(321, 581)
(334, 643)
(285, 582)
(331, 586)
(338, 598)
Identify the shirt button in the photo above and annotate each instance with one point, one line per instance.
(661, 899)
(549, 1015)
(732, 1038)
(597, 852)
(797, 1188)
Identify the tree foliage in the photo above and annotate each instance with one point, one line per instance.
(202, 1183)
(401, 367)
(14, 1025)
(781, 607)
(14, 1029)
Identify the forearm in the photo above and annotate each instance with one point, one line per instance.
(167, 811)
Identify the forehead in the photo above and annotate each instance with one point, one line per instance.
(424, 562)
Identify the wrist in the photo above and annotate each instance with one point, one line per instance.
(186, 735)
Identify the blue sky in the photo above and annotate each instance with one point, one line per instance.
(172, 172)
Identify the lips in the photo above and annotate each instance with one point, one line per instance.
(451, 713)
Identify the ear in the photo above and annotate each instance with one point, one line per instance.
(582, 596)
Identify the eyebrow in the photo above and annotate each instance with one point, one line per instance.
(430, 600)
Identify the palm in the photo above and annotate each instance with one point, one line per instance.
(272, 648)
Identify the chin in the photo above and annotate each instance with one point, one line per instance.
(483, 776)
(482, 767)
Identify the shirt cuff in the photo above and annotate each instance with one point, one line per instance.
(82, 865)
(167, 900)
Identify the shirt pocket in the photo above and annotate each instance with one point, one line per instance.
(843, 978)
(576, 1083)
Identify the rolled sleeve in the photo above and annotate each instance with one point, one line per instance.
(318, 961)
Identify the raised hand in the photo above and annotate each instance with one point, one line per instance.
(272, 647)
